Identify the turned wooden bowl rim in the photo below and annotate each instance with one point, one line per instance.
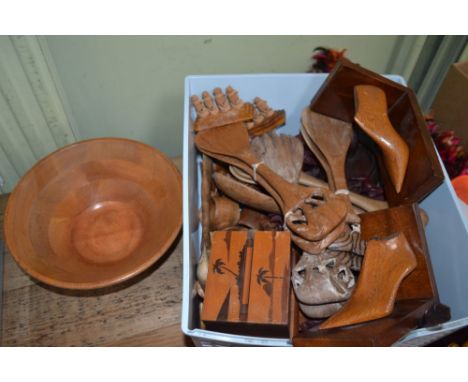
(115, 279)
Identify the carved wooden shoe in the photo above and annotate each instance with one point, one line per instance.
(371, 115)
(386, 263)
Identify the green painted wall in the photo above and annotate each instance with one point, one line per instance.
(133, 86)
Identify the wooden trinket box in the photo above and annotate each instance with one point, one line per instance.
(248, 284)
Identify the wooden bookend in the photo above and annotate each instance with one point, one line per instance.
(247, 290)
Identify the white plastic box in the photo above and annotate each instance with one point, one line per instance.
(447, 232)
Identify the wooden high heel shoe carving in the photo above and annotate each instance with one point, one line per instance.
(371, 116)
(386, 263)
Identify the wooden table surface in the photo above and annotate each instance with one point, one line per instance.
(144, 311)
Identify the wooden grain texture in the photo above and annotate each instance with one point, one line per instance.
(223, 272)
(332, 138)
(144, 311)
(416, 303)
(386, 263)
(94, 213)
(245, 194)
(319, 225)
(247, 290)
(166, 336)
(37, 315)
(383, 332)
(371, 116)
(242, 114)
(268, 124)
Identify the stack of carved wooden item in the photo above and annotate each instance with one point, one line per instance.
(287, 254)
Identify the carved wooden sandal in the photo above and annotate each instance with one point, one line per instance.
(371, 115)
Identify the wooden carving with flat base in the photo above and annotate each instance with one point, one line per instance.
(336, 99)
(386, 263)
(416, 302)
(247, 290)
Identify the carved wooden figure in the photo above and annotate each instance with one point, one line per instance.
(248, 283)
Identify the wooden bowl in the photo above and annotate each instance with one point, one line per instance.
(94, 213)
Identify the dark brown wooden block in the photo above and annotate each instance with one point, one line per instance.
(247, 289)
